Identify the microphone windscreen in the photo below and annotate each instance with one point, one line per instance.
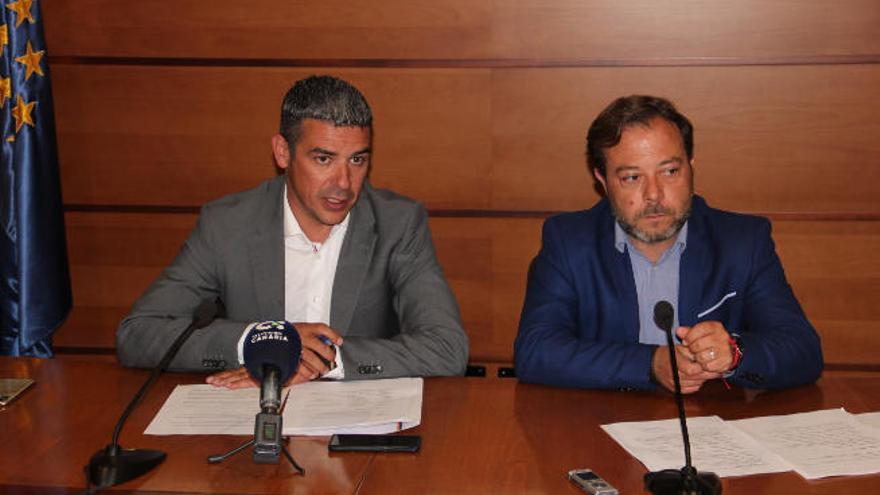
(275, 343)
(664, 315)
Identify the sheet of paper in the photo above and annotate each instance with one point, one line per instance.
(870, 419)
(366, 406)
(715, 446)
(818, 444)
(314, 408)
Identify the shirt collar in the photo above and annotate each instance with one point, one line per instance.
(621, 239)
(292, 227)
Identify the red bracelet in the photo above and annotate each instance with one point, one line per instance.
(737, 353)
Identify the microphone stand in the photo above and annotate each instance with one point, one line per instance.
(113, 465)
(266, 443)
(687, 481)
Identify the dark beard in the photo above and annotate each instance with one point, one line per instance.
(658, 237)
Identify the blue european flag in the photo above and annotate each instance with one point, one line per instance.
(35, 295)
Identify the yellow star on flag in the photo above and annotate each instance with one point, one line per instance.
(21, 112)
(4, 37)
(31, 60)
(5, 90)
(23, 9)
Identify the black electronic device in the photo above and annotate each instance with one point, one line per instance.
(591, 482)
(113, 465)
(374, 443)
(267, 438)
(686, 481)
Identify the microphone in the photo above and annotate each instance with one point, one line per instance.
(686, 481)
(272, 352)
(113, 465)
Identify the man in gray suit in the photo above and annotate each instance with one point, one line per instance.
(352, 267)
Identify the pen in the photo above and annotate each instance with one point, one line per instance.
(329, 343)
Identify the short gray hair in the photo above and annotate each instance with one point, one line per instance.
(323, 98)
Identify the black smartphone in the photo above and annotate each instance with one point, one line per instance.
(375, 443)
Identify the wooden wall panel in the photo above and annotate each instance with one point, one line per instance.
(571, 29)
(269, 28)
(764, 136)
(124, 130)
(115, 256)
(836, 276)
(462, 29)
(500, 139)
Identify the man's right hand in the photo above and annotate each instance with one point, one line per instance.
(690, 374)
(318, 358)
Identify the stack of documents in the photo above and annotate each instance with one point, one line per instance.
(313, 408)
(816, 444)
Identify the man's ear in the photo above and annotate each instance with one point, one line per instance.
(280, 151)
(600, 179)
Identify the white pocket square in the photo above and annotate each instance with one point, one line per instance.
(717, 305)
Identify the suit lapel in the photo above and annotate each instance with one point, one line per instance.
(696, 263)
(354, 260)
(619, 268)
(266, 252)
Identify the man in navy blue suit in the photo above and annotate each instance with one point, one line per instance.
(587, 320)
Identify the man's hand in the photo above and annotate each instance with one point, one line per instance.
(317, 359)
(708, 344)
(240, 378)
(232, 379)
(690, 374)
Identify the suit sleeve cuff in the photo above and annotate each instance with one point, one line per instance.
(338, 372)
(241, 343)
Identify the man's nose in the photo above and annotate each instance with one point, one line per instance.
(653, 191)
(343, 178)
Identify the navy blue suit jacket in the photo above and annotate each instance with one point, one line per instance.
(580, 321)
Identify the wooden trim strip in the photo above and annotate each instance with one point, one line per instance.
(499, 63)
(852, 367)
(478, 213)
(106, 351)
(107, 208)
(111, 351)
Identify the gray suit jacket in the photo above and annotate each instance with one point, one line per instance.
(390, 302)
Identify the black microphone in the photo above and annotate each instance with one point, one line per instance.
(113, 465)
(272, 352)
(686, 481)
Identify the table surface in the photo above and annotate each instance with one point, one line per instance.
(479, 435)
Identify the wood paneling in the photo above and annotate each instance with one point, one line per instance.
(481, 108)
(764, 136)
(835, 273)
(649, 29)
(768, 139)
(270, 28)
(115, 256)
(463, 29)
(122, 131)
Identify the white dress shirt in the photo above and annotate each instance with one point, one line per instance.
(309, 272)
